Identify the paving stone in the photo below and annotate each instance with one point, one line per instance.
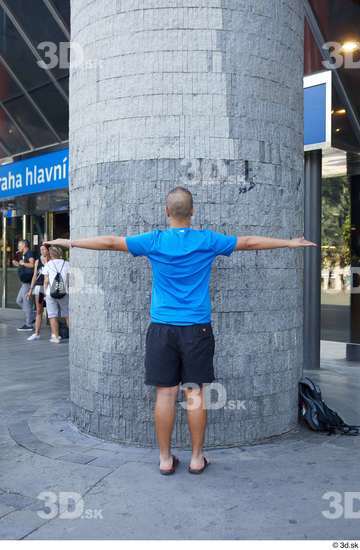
(15, 500)
(5, 509)
(19, 524)
(274, 489)
(78, 458)
(23, 436)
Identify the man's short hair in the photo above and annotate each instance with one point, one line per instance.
(179, 202)
(26, 242)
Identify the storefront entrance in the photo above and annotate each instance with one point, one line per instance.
(34, 227)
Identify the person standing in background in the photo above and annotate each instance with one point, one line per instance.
(25, 273)
(56, 307)
(37, 290)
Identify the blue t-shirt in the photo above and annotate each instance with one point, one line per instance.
(181, 260)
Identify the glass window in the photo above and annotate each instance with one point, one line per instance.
(40, 26)
(312, 57)
(335, 252)
(65, 85)
(338, 19)
(343, 136)
(339, 23)
(61, 225)
(3, 152)
(30, 121)
(36, 232)
(13, 234)
(54, 107)
(18, 56)
(63, 8)
(10, 135)
(8, 88)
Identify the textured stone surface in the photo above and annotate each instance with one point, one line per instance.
(206, 94)
(252, 495)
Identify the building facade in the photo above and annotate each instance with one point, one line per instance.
(34, 119)
(209, 97)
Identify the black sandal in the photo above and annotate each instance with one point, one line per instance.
(172, 470)
(198, 471)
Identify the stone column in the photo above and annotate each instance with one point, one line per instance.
(207, 95)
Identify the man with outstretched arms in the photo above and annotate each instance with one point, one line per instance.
(179, 341)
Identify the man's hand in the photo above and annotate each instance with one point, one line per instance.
(300, 242)
(15, 263)
(64, 243)
(256, 242)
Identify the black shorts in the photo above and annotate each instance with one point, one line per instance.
(179, 354)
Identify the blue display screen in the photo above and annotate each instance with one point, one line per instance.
(315, 114)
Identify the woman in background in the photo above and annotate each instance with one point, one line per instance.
(56, 307)
(37, 290)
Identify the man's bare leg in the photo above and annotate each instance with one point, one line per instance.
(197, 416)
(165, 412)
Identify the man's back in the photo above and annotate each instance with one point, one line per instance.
(181, 259)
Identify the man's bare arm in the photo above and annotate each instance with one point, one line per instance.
(30, 264)
(106, 242)
(265, 243)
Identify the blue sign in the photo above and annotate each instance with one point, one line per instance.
(34, 175)
(317, 111)
(315, 114)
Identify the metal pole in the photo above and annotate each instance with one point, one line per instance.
(51, 225)
(353, 172)
(46, 227)
(4, 262)
(31, 230)
(24, 226)
(312, 259)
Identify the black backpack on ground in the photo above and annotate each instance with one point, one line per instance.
(317, 415)
(58, 288)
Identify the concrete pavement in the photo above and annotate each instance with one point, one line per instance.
(270, 490)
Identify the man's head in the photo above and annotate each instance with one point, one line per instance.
(23, 245)
(56, 252)
(179, 205)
